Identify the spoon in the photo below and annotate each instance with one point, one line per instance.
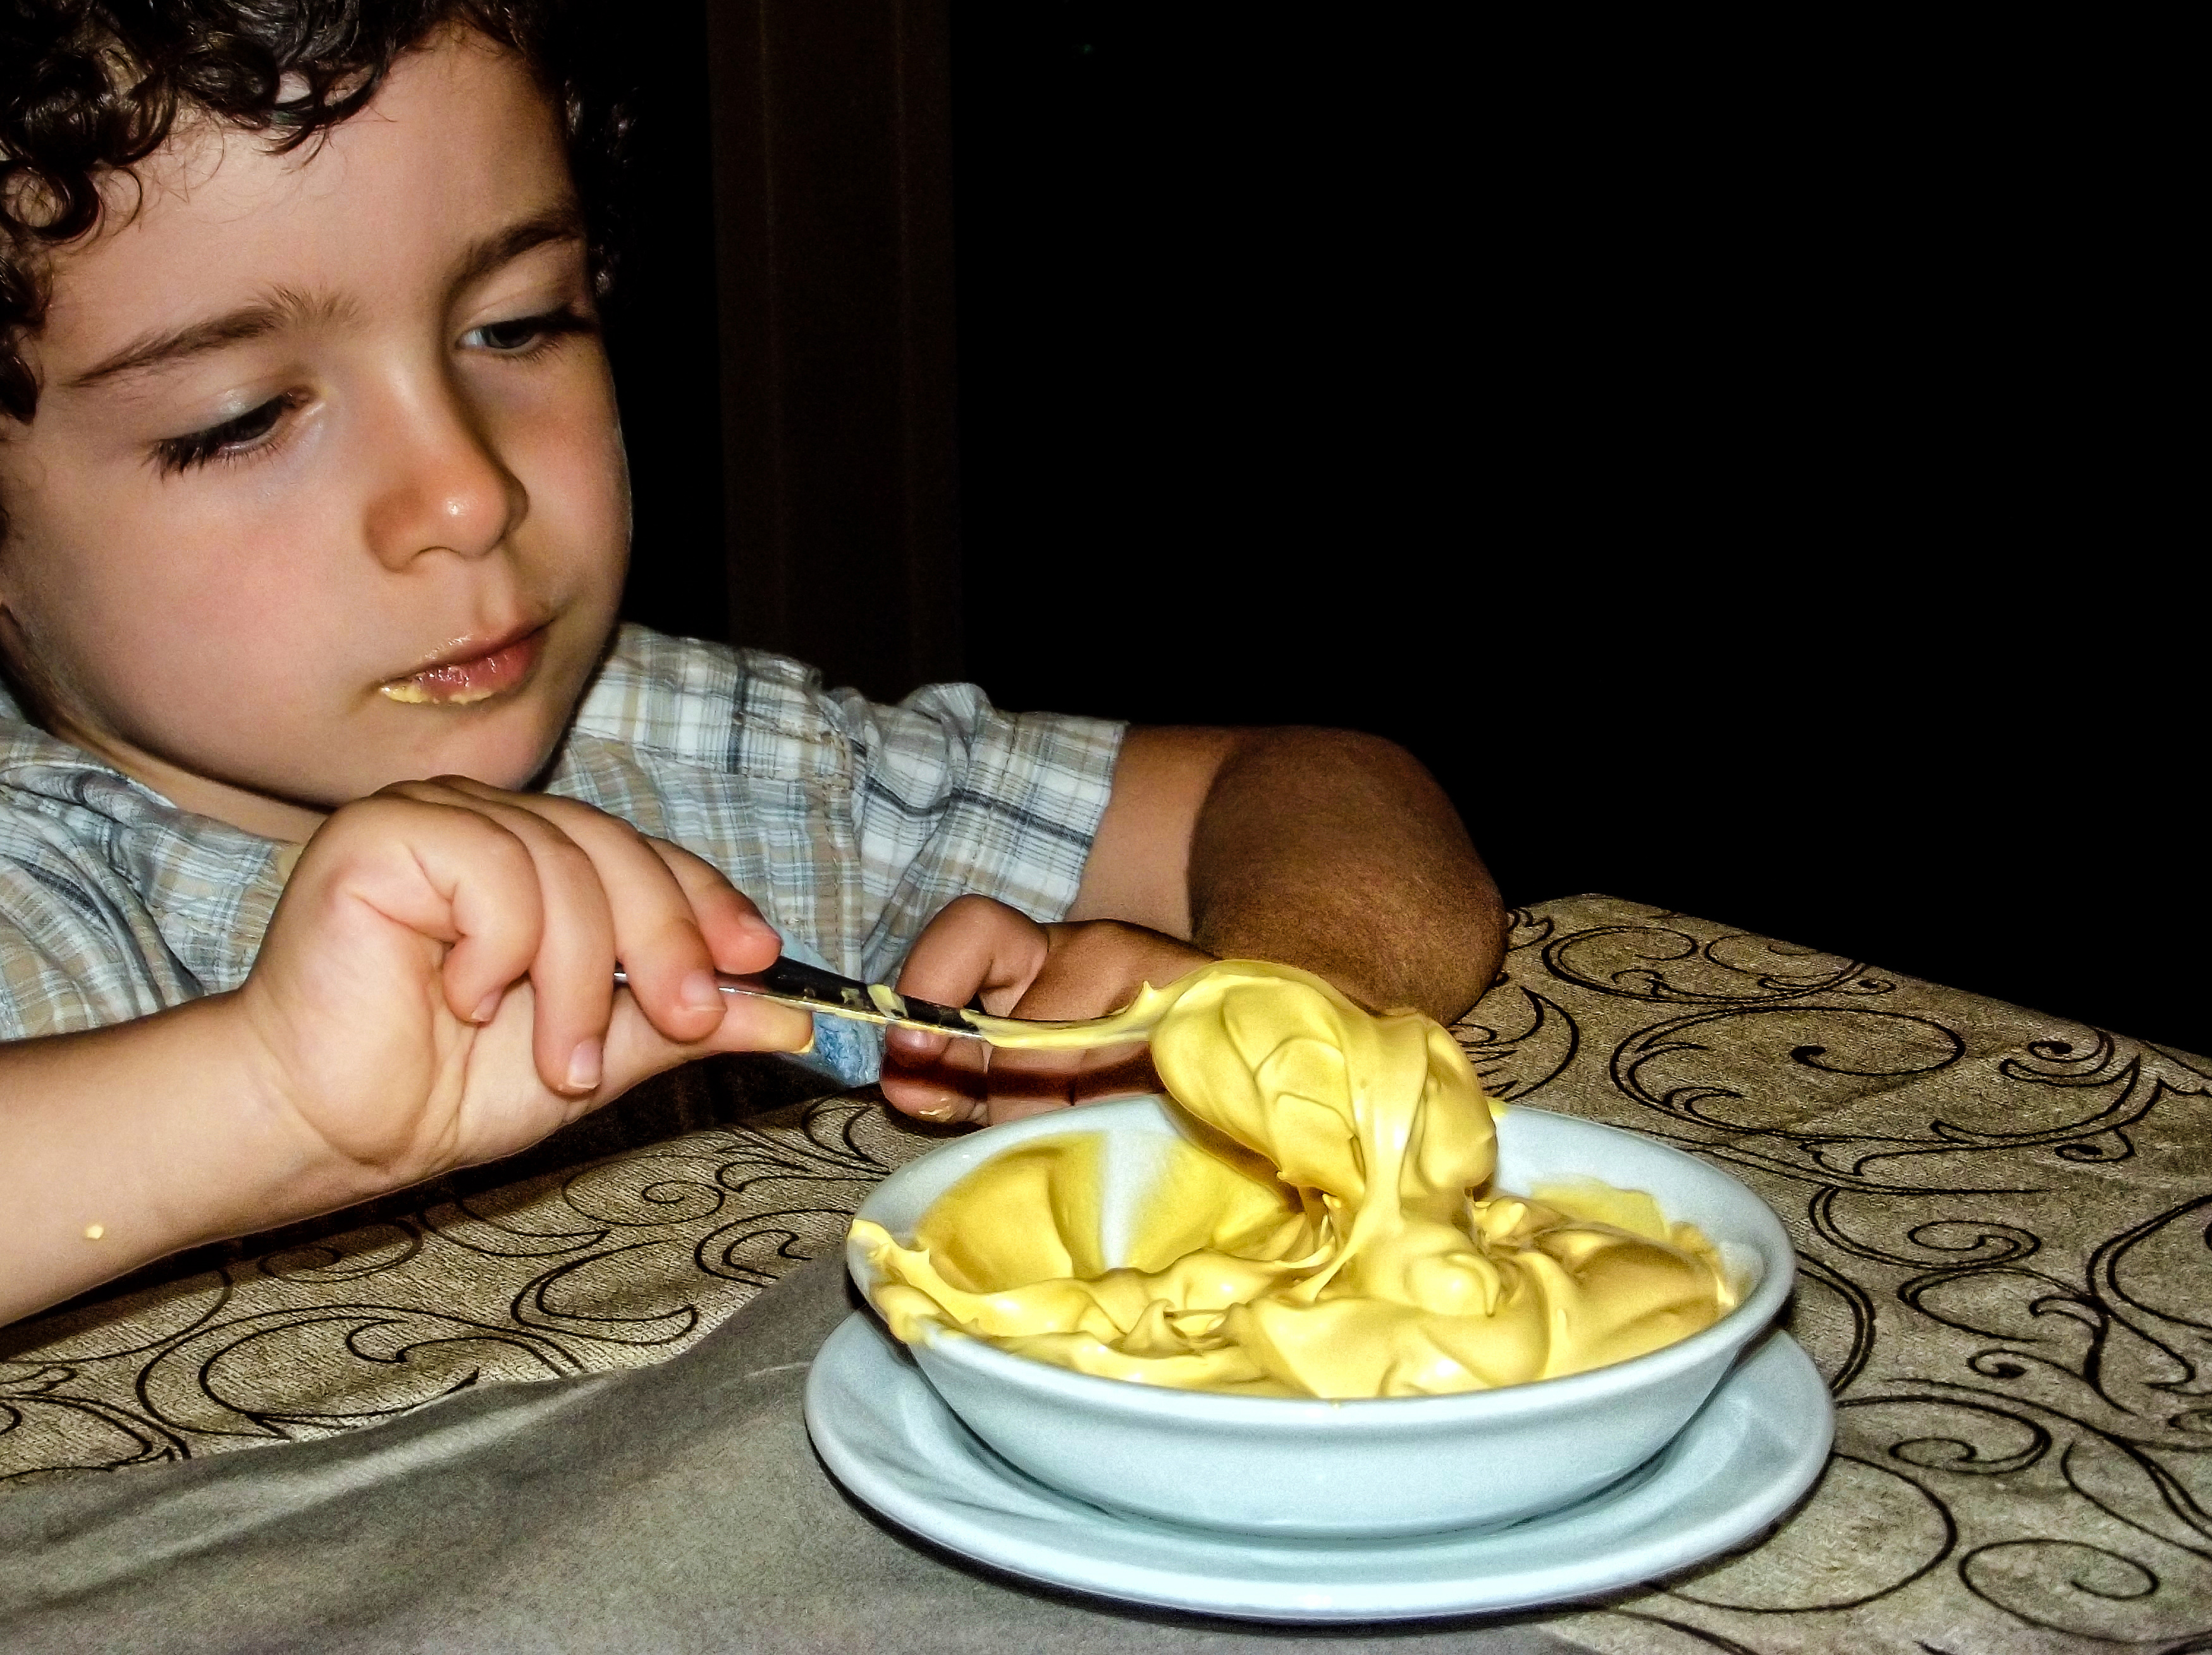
(810, 988)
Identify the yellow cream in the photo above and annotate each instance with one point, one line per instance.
(411, 694)
(1325, 1240)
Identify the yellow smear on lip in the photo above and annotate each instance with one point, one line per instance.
(1331, 1234)
(414, 695)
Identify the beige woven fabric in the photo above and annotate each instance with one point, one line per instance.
(615, 1264)
(2001, 1217)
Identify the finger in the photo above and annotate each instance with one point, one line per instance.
(458, 878)
(657, 938)
(974, 951)
(1091, 969)
(951, 1086)
(572, 974)
(975, 947)
(739, 937)
(1025, 1081)
(636, 1049)
(648, 885)
(1002, 1110)
(917, 1048)
(1018, 1085)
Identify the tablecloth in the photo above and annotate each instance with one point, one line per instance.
(2001, 1220)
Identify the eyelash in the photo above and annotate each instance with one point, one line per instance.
(550, 327)
(241, 436)
(195, 448)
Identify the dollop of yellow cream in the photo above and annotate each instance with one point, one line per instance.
(1325, 1234)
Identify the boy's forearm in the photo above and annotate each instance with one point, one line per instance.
(1339, 852)
(122, 1145)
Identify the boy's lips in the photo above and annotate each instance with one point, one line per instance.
(473, 672)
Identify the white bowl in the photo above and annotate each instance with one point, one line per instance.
(1388, 1466)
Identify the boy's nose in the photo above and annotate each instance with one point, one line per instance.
(444, 489)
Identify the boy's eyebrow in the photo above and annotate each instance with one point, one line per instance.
(287, 306)
(148, 352)
(563, 223)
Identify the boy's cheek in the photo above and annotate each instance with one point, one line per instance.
(22, 474)
(571, 458)
(240, 632)
(563, 442)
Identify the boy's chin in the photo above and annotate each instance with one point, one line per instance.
(510, 750)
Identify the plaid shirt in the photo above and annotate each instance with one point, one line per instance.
(849, 825)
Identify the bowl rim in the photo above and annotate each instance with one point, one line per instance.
(1562, 1392)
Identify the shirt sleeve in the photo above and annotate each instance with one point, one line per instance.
(849, 822)
(62, 967)
(950, 796)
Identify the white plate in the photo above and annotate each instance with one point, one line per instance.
(1756, 1446)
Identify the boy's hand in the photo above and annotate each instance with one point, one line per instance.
(436, 988)
(976, 948)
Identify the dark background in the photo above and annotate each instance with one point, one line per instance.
(1716, 455)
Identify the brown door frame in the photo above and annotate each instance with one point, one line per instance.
(833, 221)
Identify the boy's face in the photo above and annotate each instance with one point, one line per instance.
(324, 490)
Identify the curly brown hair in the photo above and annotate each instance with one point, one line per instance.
(91, 87)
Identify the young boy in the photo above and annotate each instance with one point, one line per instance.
(310, 488)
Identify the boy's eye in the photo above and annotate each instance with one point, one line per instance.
(525, 334)
(228, 441)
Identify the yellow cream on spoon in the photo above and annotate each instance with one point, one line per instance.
(1326, 1242)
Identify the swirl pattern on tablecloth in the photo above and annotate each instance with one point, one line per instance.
(2004, 1228)
(620, 1261)
(2003, 1220)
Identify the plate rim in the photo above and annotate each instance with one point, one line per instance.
(1654, 1550)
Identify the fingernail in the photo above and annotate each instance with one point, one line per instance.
(755, 923)
(699, 992)
(584, 1066)
(488, 1007)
